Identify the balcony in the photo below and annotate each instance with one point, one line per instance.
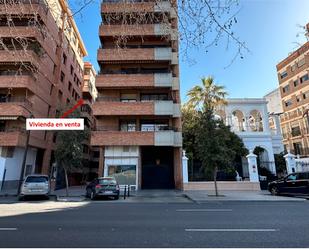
(15, 106)
(114, 6)
(135, 80)
(139, 138)
(20, 56)
(17, 81)
(134, 55)
(26, 7)
(21, 31)
(114, 107)
(12, 137)
(135, 30)
(99, 138)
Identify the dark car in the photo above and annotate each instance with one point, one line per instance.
(295, 184)
(103, 186)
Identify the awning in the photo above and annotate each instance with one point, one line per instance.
(8, 117)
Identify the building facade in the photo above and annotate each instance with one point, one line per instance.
(138, 123)
(249, 119)
(41, 71)
(293, 76)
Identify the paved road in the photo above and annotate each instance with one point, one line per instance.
(110, 224)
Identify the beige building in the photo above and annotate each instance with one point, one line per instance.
(293, 75)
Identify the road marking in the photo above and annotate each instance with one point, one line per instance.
(8, 229)
(204, 210)
(230, 230)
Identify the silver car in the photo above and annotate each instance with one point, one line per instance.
(35, 185)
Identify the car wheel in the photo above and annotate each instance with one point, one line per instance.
(274, 190)
(92, 195)
(21, 198)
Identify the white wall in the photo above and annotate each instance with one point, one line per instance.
(13, 165)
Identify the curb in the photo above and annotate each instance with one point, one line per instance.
(79, 198)
(293, 199)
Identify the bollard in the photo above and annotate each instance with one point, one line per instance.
(125, 192)
(128, 190)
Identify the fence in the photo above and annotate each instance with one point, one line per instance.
(302, 166)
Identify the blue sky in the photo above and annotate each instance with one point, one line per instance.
(269, 28)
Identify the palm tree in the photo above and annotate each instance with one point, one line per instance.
(207, 98)
(209, 95)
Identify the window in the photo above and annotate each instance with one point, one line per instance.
(54, 69)
(298, 99)
(296, 131)
(286, 88)
(60, 94)
(70, 86)
(153, 97)
(304, 78)
(305, 95)
(293, 68)
(51, 89)
(297, 148)
(288, 103)
(48, 110)
(71, 69)
(283, 75)
(64, 59)
(2, 126)
(127, 125)
(292, 177)
(62, 76)
(7, 152)
(295, 83)
(124, 174)
(301, 62)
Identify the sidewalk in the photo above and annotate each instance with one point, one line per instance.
(8, 192)
(200, 196)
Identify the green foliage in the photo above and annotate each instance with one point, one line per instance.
(216, 146)
(69, 146)
(209, 95)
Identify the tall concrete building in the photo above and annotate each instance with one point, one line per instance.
(138, 128)
(293, 75)
(41, 70)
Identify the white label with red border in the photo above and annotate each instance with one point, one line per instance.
(66, 124)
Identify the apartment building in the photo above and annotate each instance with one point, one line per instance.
(89, 93)
(293, 75)
(41, 71)
(138, 127)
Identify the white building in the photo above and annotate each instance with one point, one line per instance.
(249, 119)
(274, 104)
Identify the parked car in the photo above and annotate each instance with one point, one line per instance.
(103, 186)
(295, 183)
(35, 185)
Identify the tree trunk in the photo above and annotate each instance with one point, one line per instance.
(66, 182)
(215, 180)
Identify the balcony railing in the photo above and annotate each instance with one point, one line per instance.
(136, 71)
(148, 128)
(115, 99)
(15, 99)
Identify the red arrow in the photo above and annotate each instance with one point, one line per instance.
(78, 104)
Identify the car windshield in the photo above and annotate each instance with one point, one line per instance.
(107, 181)
(31, 179)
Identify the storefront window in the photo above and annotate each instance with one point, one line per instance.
(124, 174)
